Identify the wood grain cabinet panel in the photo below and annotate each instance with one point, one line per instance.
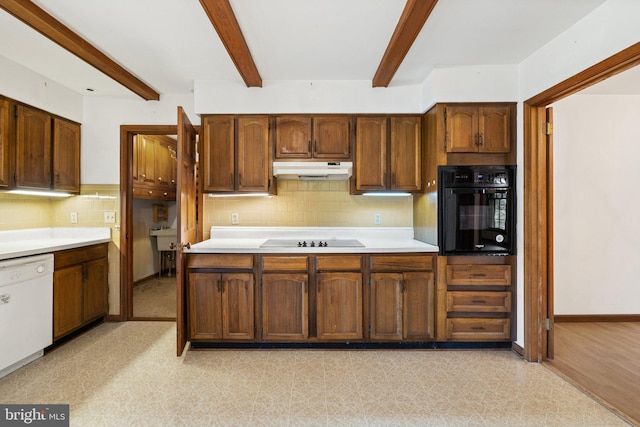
(33, 148)
(388, 153)
(253, 154)
(66, 156)
(5, 140)
(80, 288)
(285, 307)
(339, 306)
(386, 308)
(478, 329)
(478, 129)
(478, 274)
(318, 137)
(220, 306)
(477, 301)
(218, 154)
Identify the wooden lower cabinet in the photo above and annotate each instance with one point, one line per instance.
(474, 298)
(80, 288)
(285, 307)
(339, 306)
(220, 306)
(402, 302)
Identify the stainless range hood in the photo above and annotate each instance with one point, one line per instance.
(312, 171)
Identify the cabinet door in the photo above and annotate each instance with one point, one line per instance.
(237, 306)
(386, 306)
(419, 306)
(33, 144)
(67, 300)
(4, 143)
(253, 154)
(331, 137)
(95, 289)
(494, 127)
(339, 306)
(146, 160)
(164, 165)
(218, 154)
(461, 129)
(205, 306)
(66, 156)
(371, 153)
(405, 153)
(285, 312)
(293, 137)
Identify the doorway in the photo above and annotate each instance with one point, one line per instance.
(137, 217)
(538, 184)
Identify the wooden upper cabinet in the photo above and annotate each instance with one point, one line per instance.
(478, 129)
(218, 154)
(154, 167)
(66, 156)
(253, 154)
(405, 153)
(371, 153)
(388, 153)
(165, 162)
(236, 154)
(319, 137)
(293, 137)
(331, 137)
(33, 148)
(5, 154)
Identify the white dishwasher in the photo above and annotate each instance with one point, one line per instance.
(26, 310)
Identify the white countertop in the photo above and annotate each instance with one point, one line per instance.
(248, 240)
(34, 241)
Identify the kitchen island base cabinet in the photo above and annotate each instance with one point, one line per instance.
(285, 307)
(220, 306)
(80, 288)
(339, 306)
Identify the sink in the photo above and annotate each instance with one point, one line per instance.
(165, 237)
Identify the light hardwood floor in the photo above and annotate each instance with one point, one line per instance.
(602, 358)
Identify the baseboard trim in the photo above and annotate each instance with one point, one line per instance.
(145, 279)
(596, 318)
(515, 347)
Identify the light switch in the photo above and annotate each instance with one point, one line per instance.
(73, 217)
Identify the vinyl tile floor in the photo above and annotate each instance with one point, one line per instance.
(127, 374)
(155, 297)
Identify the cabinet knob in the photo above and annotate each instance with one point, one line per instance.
(150, 192)
(160, 178)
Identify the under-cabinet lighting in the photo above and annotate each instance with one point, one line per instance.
(387, 194)
(40, 193)
(240, 195)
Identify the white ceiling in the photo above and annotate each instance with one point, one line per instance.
(170, 43)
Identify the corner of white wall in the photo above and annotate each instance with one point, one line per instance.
(24, 85)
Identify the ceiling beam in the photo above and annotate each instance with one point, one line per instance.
(224, 21)
(35, 17)
(411, 21)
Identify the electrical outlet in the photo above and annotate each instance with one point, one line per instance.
(109, 217)
(73, 217)
(377, 218)
(235, 219)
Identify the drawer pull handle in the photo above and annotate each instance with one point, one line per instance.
(479, 301)
(478, 275)
(477, 328)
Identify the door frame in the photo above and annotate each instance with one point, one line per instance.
(127, 132)
(538, 185)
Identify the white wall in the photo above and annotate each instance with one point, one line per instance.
(26, 86)
(597, 231)
(100, 150)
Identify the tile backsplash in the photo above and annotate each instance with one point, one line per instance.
(310, 203)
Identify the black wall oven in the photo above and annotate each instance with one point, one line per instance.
(476, 210)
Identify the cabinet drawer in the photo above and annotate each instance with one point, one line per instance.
(401, 263)
(234, 261)
(339, 263)
(79, 255)
(472, 301)
(285, 263)
(479, 274)
(476, 329)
